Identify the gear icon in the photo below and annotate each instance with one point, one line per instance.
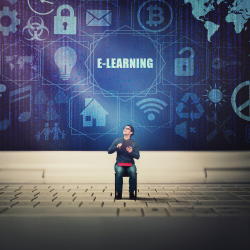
(14, 21)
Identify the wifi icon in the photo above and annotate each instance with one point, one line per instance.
(151, 105)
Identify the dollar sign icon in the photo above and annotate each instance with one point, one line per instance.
(151, 10)
(158, 10)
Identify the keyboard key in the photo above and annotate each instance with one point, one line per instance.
(155, 212)
(45, 198)
(220, 204)
(7, 203)
(135, 204)
(104, 198)
(27, 194)
(214, 189)
(241, 193)
(180, 203)
(91, 204)
(165, 199)
(199, 189)
(113, 204)
(176, 193)
(98, 211)
(185, 198)
(25, 204)
(7, 197)
(157, 204)
(65, 198)
(232, 213)
(47, 204)
(224, 196)
(243, 209)
(195, 193)
(232, 189)
(12, 188)
(84, 198)
(9, 193)
(187, 212)
(130, 212)
(182, 189)
(159, 193)
(207, 212)
(69, 204)
(205, 198)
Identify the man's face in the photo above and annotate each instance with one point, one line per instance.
(127, 131)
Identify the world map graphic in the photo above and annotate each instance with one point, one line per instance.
(238, 14)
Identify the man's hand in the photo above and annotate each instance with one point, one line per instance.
(119, 145)
(129, 149)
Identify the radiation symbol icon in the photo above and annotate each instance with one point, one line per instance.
(238, 110)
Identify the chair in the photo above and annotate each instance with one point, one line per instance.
(125, 174)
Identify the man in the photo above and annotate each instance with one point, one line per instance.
(125, 156)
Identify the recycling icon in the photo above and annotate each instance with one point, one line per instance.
(195, 100)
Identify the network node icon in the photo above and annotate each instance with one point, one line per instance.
(151, 105)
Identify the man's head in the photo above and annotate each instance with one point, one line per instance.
(129, 130)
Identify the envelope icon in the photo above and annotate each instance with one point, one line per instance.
(98, 17)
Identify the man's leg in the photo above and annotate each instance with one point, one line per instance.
(119, 178)
(132, 178)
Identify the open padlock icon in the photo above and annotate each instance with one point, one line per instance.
(185, 66)
(65, 24)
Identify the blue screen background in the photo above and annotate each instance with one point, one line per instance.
(178, 73)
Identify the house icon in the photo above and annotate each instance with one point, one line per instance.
(93, 114)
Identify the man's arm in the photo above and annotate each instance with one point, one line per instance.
(113, 147)
(135, 152)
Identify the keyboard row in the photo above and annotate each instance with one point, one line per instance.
(105, 188)
(126, 211)
(124, 203)
(146, 198)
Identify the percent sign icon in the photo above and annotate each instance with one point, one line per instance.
(238, 110)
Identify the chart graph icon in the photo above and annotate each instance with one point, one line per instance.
(151, 106)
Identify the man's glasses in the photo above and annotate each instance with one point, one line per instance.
(127, 128)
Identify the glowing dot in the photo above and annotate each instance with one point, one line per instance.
(151, 117)
(215, 95)
(2, 87)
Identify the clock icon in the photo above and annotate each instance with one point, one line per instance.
(45, 4)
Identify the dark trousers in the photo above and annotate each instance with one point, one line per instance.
(119, 177)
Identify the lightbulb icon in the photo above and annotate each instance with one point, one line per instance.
(65, 59)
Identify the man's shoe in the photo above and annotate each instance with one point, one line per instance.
(118, 196)
(131, 196)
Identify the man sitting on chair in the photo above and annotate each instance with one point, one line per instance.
(125, 156)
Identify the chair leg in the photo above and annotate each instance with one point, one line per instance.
(115, 184)
(136, 187)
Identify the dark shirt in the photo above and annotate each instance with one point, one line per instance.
(124, 155)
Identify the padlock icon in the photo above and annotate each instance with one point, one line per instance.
(65, 24)
(185, 66)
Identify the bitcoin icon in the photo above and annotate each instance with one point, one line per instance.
(160, 15)
(151, 20)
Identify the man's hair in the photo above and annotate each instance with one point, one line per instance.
(132, 130)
